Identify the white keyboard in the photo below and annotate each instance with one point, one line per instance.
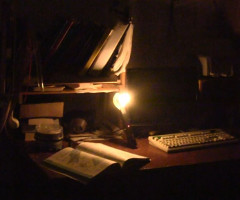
(191, 140)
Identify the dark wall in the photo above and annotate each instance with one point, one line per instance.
(168, 37)
(165, 34)
(164, 68)
(42, 14)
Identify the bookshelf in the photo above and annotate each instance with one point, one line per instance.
(99, 87)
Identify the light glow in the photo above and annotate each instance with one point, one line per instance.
(120, 100)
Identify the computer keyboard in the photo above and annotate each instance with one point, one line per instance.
(190, 140)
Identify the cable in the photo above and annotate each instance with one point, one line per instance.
(5, 116)
(9, 36)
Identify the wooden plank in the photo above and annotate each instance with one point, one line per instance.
(42, 110)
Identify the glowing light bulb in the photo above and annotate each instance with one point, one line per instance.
(120, 100)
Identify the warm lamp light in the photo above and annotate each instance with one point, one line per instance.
(120, 100)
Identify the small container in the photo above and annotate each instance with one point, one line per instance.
(49, 137)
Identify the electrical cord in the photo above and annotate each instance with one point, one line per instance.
(5, 116)
(9, 91)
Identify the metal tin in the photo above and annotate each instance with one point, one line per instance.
(49, 136)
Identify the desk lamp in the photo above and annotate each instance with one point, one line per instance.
(120, 100)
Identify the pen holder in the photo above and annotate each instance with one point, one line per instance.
(49, 137)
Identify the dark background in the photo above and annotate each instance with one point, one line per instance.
(164, 69)
(163, 75)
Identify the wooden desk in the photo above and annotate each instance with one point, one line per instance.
(161, 159)
(206, 173)
(209, 173)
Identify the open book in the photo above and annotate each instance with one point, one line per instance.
(89, 160)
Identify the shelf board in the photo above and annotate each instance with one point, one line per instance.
(105, 88)
(71, 91)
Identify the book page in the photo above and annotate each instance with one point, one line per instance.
(108, 152)
(79, 162)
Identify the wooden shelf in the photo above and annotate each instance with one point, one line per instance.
(105, 88)
(99, 87)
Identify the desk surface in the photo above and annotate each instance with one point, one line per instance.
(222, 177)
(161, 159)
